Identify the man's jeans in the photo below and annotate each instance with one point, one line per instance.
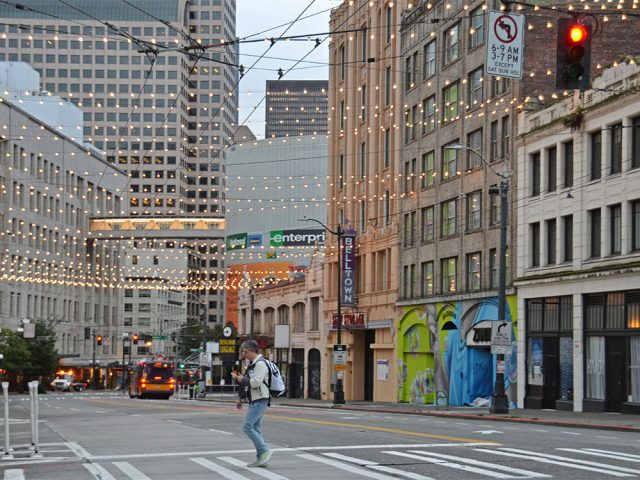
(251, 425)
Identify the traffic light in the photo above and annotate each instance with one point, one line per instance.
(573, 60)
(87, 333)
(98, 339)
(135, 338)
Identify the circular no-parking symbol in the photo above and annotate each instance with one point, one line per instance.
(506, 29)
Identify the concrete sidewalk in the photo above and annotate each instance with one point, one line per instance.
(602, 421)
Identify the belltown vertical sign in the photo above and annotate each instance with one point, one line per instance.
(348, 268)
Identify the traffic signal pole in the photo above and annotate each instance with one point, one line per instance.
(93, 362)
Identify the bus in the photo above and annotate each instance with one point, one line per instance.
(152, 378)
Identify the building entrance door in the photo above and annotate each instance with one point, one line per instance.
(615, 368)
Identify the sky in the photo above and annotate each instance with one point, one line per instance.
(270, 18)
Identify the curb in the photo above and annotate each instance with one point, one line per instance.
(483, 417)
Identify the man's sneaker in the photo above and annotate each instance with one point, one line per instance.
(263, 458)
(255, 463)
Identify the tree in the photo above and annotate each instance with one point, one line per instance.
(43, 352)
(190, 337)
(16, 351)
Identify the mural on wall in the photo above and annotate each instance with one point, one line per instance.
(433, 355)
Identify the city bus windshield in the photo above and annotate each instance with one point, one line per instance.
(158, 371)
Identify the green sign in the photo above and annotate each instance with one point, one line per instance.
(296, 238)
(237, 241)
(160, 337)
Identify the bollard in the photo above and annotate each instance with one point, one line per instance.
(31, 411)
(7, 449)
(35, 416)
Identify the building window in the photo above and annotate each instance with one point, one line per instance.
(408, 70)
(494, 208)
(410, 176)
(363, 103)
(409, 277)
(551, 241)
(389, 29)
(363, 43)
(343, 61)
(428, 169)
(449, 267)
(534, 238)
(595, 233)
(567, 245)
(635, 143)
(473, 271)
(386, 207)
(363, 160)
(387, 86)
(493, 268)
(341, 114)
(567, 148)
(535, 174)
(615, 215)
(477, 27)
(493, 142)
(341, 171)
(635, 225)
(506, 140)
(315, 313)
(428, 224)
(474, 210)
(474, 142)
(363, 215)
(387, 148)
(429, 114)
(499, 86)
(449, 161)
(551, 169)
(595, 140)
(450, 100)
(616, 148)
(426, 278)
(409, 229)
(476, 90)
(452, 44)
(449, 218)
(429, 53)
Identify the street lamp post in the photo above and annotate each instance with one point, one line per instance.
(499, 402)
(338, 394)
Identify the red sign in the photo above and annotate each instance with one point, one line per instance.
(350, 321)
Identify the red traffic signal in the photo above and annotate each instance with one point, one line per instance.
(573, 60)
(135, 339)
(99, 339)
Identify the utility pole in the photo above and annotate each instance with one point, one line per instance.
(93, 362)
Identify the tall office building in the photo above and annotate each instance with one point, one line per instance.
(159, 106)
(296, 107)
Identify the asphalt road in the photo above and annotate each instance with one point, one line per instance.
(109, 436)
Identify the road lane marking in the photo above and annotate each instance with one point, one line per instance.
(225, 472)
(258, 471)
(375, 429)
(14, 474)
(568, 462)
(457, 466)
(575, 460)
(346, 467)
(619, 454)
(606, 438)
(78, 450)
(601, 453)
(220, 431)
(130, 471)
(98, 471)
(479, 463)
(175, 421)
(377, 466)
(570, 433)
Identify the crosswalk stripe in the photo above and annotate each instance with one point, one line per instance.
(130, 471)
(480, 463)
(575, 460)
(261, 472)
(534, 457)
(457, 466)
(98, 471)
(618, 454)
(225, 472)
(346, 467)
(596, 453)
(377, 466)
(14, 474)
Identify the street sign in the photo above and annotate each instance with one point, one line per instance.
(501, 337)
(339, 356)
(505, 44)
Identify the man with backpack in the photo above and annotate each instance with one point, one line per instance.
(257, 376)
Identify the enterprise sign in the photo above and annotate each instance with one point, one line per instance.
(296, 238)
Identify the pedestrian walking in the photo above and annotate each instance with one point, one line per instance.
(256, 375)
